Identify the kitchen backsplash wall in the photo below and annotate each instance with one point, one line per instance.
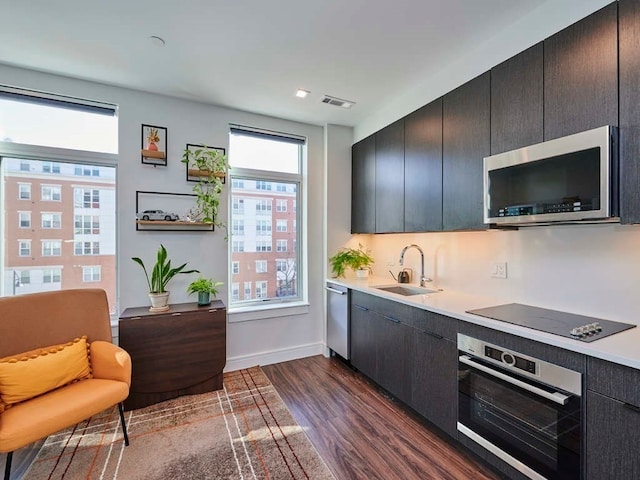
(591, 270)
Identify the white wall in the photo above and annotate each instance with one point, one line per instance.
(250, 342)
(549, 18)
(592, 270)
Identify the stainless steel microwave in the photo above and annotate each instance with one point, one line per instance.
(567, 180)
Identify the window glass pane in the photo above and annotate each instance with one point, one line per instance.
(263, 154)
(64, 247)
(49, 126)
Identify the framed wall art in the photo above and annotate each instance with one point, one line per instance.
(154, 145)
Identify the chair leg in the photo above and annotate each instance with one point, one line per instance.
(7, 467)
(124, 425)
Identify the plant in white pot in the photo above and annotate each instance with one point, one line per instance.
(160, 276)
(355, 258)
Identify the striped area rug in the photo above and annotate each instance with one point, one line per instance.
(243, 431)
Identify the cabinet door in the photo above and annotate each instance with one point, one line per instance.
(392, 355)
(613, 439)
(363, 345)
(434, 378)
(390, 178)
(363, 186)
(581, 75)
(517, 101)
(423, 169)
(466, 141)
(629, 111)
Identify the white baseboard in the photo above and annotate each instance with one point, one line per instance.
(274, 356)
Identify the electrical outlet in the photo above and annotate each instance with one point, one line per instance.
(499, 269)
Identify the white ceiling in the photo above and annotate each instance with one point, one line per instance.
(253, 54)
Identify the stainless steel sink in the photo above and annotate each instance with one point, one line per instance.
(405, 290)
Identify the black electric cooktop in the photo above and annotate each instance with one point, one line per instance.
(578, 327)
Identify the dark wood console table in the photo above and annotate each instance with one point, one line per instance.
(179, 352)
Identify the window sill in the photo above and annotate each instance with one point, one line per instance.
(246, 314)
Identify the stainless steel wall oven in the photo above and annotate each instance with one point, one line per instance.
(523, 410)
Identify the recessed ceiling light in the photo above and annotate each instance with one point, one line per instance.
(157, 41)
(302, 93)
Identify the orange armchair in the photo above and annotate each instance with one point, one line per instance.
(37, 320)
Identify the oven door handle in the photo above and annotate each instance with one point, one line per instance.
(556, 397)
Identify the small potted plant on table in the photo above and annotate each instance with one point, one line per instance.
(204, 287)
(355, 258)
(160, 276)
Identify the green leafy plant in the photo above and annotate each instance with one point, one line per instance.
(354, 258)
(211, 167)
(204, 285)
(162, 271)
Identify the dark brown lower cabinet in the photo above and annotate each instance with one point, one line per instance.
(613, 439)
(434, 380)
(179, 352)
(363, 347)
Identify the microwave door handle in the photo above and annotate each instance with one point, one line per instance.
(556, 397)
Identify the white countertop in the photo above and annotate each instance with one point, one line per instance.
(622, 348)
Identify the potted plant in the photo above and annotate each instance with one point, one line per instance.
(152, 139)
(357, 259)
(161, 274)
(211, 167)
(204, 287)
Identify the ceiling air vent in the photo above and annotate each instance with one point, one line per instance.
(338, 102)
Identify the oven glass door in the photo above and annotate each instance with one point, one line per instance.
(537, 431)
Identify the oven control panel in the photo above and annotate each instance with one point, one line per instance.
(510, 359)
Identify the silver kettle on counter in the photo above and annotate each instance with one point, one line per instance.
(404, 275)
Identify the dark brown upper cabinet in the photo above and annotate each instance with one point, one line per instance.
(390, 178)
(363, 186)
(581, 75)
(517, 101)
(466, 141)
(423, 169)
(629, 29)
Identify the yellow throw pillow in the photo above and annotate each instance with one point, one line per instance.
(27, 375)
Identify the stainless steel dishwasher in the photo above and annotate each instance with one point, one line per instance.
(338, 320)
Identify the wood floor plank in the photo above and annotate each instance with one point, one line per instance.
(361, 433)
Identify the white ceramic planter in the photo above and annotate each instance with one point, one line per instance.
(159, 302)
(363, 273)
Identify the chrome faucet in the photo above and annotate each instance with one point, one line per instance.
(423, 279)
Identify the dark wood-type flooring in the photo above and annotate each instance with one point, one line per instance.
(361, 433)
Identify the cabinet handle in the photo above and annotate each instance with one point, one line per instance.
(176, 314)
(434, 335)
(394, 320)
(361, 308)
(213, 310)
(631, 407)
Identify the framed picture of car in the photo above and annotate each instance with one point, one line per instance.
(160, 211)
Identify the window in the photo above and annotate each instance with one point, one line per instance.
(263, 227)
(50, 167)
(238, 205)
(273, 163)
(24, 166)
(261, 289)
(24, 219)
(25, 277)
(237, 246)
(237, 227)
(24, 191)
(51, 193)
(86, 198)
(51, 248)
(86, 248)
(86, 225)
(51, 220)
(91, 273)
(263, 207)
(24, 248)
(281, 205)
(263, 246)
(235, 268)
(51, 275)
(235, 292)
